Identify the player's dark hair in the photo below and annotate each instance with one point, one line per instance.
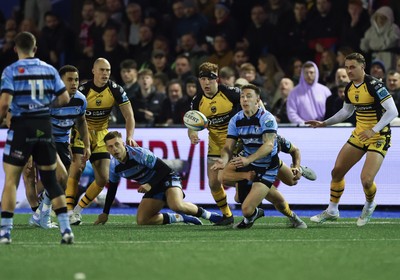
(357, 57)
(252, 87)
(25, 41)
(111, 135)
(66, 69)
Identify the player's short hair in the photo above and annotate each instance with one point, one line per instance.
(357, 57)
(67, 68)
(208, 67)
(25, 41)
(111, 135)
(252, 87)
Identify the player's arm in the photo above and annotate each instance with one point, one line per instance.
(111, 193)
(296, 160)
(61, 100)
(342, 115)
(5, 101)
(296, 156)
(263, 151)
(389, 114)
(127, 112)
(193, 136)
(226, 154)
(81, 126)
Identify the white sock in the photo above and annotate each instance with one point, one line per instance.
(206, 215)
(78, 209)
(368, 204)
(333, 208)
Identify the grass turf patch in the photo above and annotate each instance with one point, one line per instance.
(123, 250)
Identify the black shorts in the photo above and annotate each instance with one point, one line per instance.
(28, 137)
(63, 152)
(158, 192)
(244, 186)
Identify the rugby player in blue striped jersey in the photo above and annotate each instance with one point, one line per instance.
(28, 88)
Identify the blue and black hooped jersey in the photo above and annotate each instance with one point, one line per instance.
(251, 130)
(33, 84)
(140, 166)
(63, 118)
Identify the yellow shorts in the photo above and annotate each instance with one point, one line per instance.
(215, 145)
(379, 144)
(97, 145)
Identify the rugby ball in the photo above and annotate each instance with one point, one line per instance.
(195, 120)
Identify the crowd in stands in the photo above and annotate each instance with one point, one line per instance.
(293, 50)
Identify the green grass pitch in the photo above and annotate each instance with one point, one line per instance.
(269, 250)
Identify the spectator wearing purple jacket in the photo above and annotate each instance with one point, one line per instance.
(307, 100)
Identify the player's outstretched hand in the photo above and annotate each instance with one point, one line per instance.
(101, 219)
(315, 124)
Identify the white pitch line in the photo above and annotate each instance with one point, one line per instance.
(85, 244)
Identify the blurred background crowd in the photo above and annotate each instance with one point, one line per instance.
(155, 47)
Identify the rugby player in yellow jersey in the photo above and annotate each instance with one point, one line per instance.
(375, 109)
(101, 95)
(218, 103)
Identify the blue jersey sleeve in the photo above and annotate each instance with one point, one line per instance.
(268, 123)
(143, 156)
(6, 81)
(113, 176)
(232, 129)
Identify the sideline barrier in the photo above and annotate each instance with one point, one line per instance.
(319, 148)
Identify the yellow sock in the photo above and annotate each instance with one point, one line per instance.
(370, 193)
(284, 209)
(91, 193)
(222, 203)
(337, 191)
(71, 192)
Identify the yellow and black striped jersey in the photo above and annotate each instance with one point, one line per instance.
(100, 101)
(218, 109)
(367, 99)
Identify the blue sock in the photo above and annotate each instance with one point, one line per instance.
(63, 222)
(6, 225)
(175, 218)
(46, 199)
(172, 218)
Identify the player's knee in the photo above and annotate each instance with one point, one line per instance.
(101, 181)
(141, 221)
(292, 182)
(176, 206)
(221, 177)
(236, 198)
(62, 180)
(366, 181)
